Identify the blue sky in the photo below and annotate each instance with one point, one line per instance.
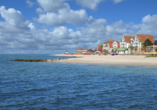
(53, 26)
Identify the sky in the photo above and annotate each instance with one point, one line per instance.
(54, 26)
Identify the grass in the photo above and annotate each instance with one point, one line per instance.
(150, 56)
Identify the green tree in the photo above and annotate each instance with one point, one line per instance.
(91, 50)
(146, 43)
(156, 49)
(113, 51)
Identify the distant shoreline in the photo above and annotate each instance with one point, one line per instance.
(125, 60)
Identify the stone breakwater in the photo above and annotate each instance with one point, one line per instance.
(38, 60)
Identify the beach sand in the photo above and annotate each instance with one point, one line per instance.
(125, 60)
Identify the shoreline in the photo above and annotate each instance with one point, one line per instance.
(124, 60)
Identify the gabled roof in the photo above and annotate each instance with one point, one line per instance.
(128, 38)
(110, 44)
(143, 38)
(81, 49)
(118, 44)
(105, 42)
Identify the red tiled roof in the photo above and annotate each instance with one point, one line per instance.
(110, 44)
(110, 41)
(128, 38)
(80, 49)
(118, 44)
(89, 51)
(99, 47)
(143, 38)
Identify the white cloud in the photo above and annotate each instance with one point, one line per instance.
(52, 5)
(39, 10)
(117, 28)
(117, 1)
(64, 16)
(13, 19)
(19, 35)
(148, 25)
(92, 4)
(30, 3)
(31, 26)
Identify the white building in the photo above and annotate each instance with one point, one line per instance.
(135, 41)
(111, 44)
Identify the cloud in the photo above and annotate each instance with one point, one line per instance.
(13, 20)
(52, 5)
(117, 1)
(18, 35)
(31, 26)
(117, 28)
(32, 39)
(62, 16)
(30, 3)
(148, 25)
(92, 4)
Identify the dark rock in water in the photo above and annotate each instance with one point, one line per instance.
(36, 60)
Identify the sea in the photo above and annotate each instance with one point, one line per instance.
(62, 86)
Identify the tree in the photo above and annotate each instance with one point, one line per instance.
(147, 43)
(113, 50)
(156, 49)
(143, 47)
(91, 50)
(101, 46)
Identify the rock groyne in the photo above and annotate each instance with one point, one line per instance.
(38, 60)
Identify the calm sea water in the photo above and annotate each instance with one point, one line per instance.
(35, 85)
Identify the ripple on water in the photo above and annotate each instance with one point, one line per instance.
(75, 86)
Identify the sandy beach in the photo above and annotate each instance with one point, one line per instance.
(125, 60)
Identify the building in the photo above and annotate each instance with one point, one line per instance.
(155, 42)
(111, 45)
(135, 41)
(66, 51)
(80, 50)
(99, 47)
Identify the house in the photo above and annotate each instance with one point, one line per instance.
(99, 47)
(66, 51)
(80, 51)
(135, 41)
(111, 45)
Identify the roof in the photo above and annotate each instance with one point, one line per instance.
(143, 38)
(128, 38)
(155, 42)
(99, 47)
(110, 44)
(118, 44)
(80, 49)
(122, 49)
